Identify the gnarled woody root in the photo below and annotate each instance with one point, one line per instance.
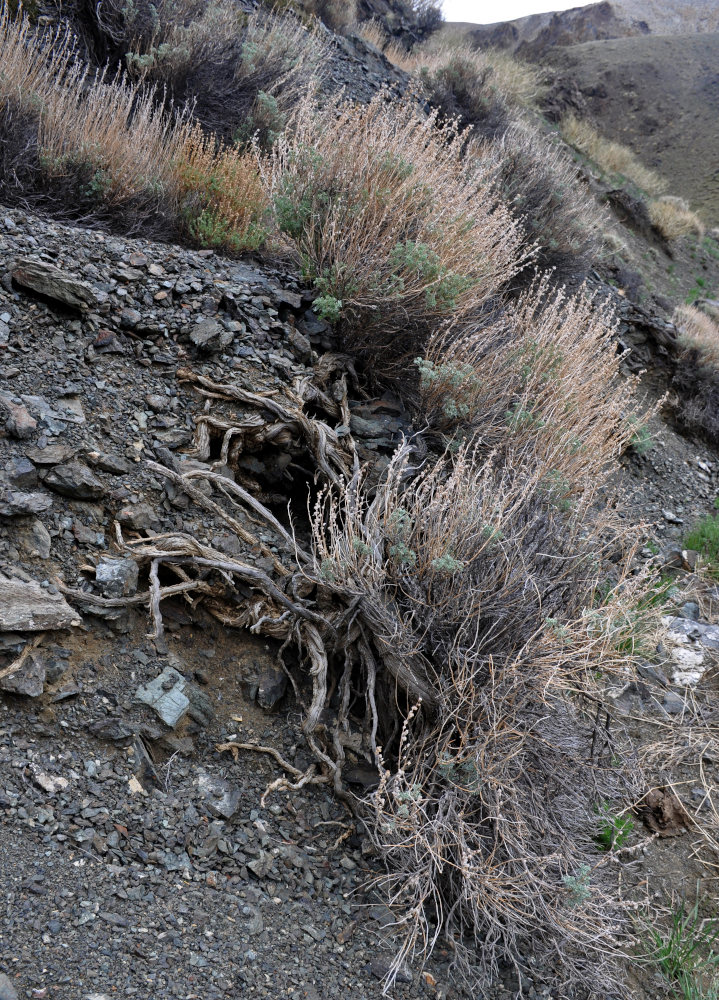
(442, 621)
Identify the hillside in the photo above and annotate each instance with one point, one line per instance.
(359, 454)
(533, 36)
(660, 96)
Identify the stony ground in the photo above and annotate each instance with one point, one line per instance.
(137, 858)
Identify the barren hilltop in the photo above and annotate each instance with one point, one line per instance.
(359, 465)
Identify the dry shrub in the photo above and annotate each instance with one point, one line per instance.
(428, 15)
(241, 73)
(106, 147)
(396, 229)
(673, 218)
(222, 199)
(373, 32)
(539, 386)
(698, 331)
(696, 380)
(470, 590)
(109, 134)
(482, 87)
(559, 216)
(610, 157)
(336, 14)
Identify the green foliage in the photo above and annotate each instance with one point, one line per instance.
(328, 308)
(685, 952)
(557, 488)
(209, 228)
(614, 830)
(518, 418)
(265, 123)
(419, 261)
(578, 886)
(704, 538)
(447, 565)
(698, 291)
(455, 380)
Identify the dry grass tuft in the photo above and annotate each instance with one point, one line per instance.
(475, 71)
(673, 218)
(698, 332)
(109, 132)
(108, 147)
(529, 387)
(338, 15)
(223, 202)
(610, 157)
(241, 73)
(394, 227)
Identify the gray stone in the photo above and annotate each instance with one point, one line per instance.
(129, 318)
(673, 703)
(50, 281)
(300, 345)
(108, 463)
(74, 480)
(165, 694)
(222, 798)
(26, 607)
(117, 577)
(272, 684)
(138, 517)
(22, 473)
(7, 990)
(34, 538)
(367, 428)
(18, 421)
(690, 609)
(54, 454)
(28, 679)
(13, 503)
(209, 335)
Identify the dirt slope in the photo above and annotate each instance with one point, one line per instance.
(660, 96)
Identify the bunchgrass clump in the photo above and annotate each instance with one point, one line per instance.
(673, 218)
(703, 537)
(686, 952)
(612, 158)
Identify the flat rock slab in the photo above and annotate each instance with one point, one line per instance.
(27, 607)
(166, 695)
(48, 280)
(221, 797)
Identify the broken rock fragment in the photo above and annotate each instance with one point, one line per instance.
(165, 694)
(25, 606)
(74, 480)
(28, 679)
(50, 281)
(117, 577)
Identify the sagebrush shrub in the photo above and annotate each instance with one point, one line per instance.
(538, 384)
(222, 200)
(336, 14)
(391, 221)
(482, 88)
(560, 219)
(242, 73)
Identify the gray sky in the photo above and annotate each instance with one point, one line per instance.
(488, 11)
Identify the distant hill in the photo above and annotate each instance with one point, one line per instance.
(532, 36)
(646, 72)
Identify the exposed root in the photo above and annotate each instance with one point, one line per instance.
(302, 778)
